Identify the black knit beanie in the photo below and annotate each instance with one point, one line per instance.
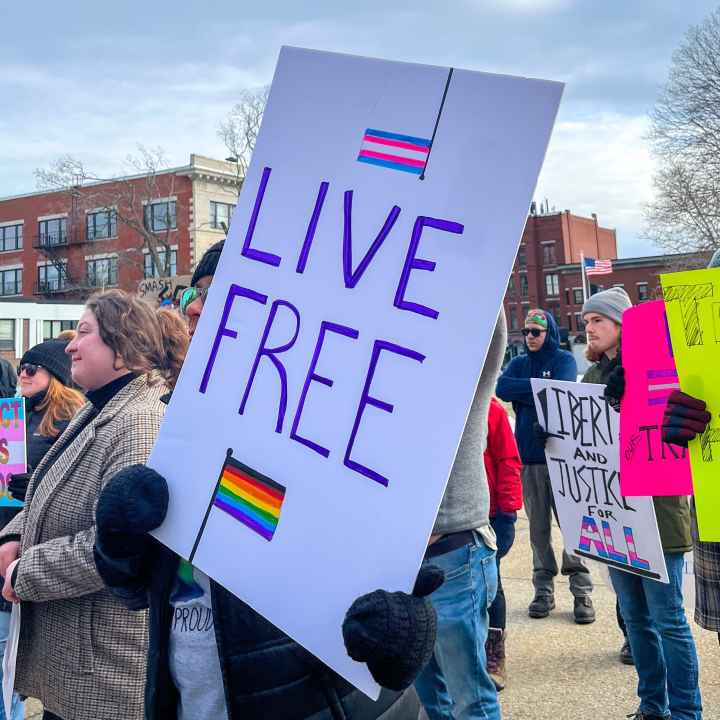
(208, 262)
(52, 356)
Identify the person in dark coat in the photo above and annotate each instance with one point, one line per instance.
(211, 656)
(44, 375)
(544, 359)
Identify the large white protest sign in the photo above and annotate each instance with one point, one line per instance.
(311, 434)
(583, 459)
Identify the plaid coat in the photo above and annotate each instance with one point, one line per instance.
(706, 559)
(81, 652)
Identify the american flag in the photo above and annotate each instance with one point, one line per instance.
(597, 267)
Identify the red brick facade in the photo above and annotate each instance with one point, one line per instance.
(57, 231)
(549, 242)
(64, 245)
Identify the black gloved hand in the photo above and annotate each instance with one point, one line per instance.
(615, 388)
(685, 417)
(541, 434)
(18, 485)
(134, 502)
(394, 633)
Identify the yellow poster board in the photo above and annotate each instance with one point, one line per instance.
(692, 302)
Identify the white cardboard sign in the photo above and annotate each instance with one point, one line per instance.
(597, 522)
(343, 338)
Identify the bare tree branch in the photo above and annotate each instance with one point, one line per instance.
(685, 138)
(128, 197)
(239, 130)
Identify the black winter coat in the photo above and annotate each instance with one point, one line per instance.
(265, 673)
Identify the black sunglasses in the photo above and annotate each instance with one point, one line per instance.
(29, 368)
(535, 332)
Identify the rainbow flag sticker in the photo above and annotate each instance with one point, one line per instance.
(251, 498)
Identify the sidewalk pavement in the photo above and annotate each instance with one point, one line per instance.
(558, 670)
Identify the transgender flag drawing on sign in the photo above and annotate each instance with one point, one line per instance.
(394, 151)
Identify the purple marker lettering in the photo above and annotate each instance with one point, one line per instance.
(312, 226)
(247, 251)
(352, 278)
(367, 399)
(271, 353)
(324, 326)
(223, 331)
(415, 263)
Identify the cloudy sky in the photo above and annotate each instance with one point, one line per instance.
(96, 79)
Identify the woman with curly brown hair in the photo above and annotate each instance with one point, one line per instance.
(80, 651)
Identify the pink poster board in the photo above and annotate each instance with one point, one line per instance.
(649, 466)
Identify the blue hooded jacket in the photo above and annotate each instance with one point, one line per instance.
(514, 386)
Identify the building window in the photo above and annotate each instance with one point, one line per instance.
(523, 286)
(160, 216)
(220, 213)
(549, 254)
(552, 285)
(579, 324)
(577, 296)
(52, 328)
(7, 335)
(101, 225)
(52, 232)
(643, 293)
(513, 320)
(50, 278)
(10, 282)
(569, 319)
(522, 257)
(11, 237)
(150, 269)
(511, 288)
(102, 272)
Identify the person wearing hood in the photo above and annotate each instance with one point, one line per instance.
(543, 359)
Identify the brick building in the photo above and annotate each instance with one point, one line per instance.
(62, 246)
(547, 274)
(551, 241)
(639, 276)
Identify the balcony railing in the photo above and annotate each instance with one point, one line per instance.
(49, 287)
(50, 241)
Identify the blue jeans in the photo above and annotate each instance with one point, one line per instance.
(17, 709)
(455, 684)
(662, 644)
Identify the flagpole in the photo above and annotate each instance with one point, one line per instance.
(584, 279)
(228, 454)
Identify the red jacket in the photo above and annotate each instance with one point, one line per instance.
(502, 462)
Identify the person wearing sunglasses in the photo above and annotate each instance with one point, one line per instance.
(544, 359)
(44, 377)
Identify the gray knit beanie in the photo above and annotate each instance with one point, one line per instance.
(611, 303)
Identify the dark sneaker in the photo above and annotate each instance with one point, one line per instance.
(626, 657)
(584, 611)
(495, 651)
(541, 606)
(639, 715)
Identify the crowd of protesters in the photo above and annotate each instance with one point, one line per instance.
(102, 634)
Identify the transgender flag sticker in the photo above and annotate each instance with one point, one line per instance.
(394, 151)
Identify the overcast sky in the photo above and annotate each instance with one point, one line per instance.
(95, 79)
